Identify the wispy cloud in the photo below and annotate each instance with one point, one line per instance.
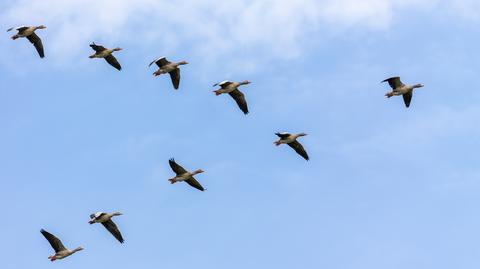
(277, 28)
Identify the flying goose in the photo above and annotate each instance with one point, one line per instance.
(106, 220)
(164, 66)
(29, 33)
(102, 52)
(291, 140)
(401, 89)
(60, 251)
(232, 89)
(184, 175)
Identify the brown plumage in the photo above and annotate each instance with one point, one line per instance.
(184, 175)
(398, 88)
(291, 140)
(165, 66)
(232, 89)
(102, 52)
(29, 33)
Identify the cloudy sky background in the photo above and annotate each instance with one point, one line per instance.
(386, 186)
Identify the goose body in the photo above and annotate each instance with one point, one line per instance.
(106, 220)
(61, 251)
(165, 66)
(291, 140)
(184, 175)
(29, 33)
(398, 88)
(107, 54)
(232, 89)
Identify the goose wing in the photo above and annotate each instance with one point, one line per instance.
(37, 42)
(299, 149)
(394, 82)
(19, 29)
(194, 183)
(283, 135)
(160, 62)
(176, 167)
(97, 215)
(407, 98)
(239, 97)
(53, 240)
(113, 229)
(175, 76)
(223, 84)
(97, 48)
(113, 62)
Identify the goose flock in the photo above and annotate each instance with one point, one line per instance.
(181, 174)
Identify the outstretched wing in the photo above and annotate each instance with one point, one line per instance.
(113, 61)
(194, 183)
(97, 48)
(223, 84)
(299, 149)
(53, 240)
(97, 215)
(19, 29)
(37, 42)
(176, 167)
(407, 98)
(113, 229)
(239, 97)
(394, 82)
(175, 76)
(160, 62)
(283, 135)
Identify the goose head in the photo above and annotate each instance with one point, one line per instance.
(198, 171)
(117, 49)
(245, 82)
(302, 134)
(117, 214)
(77, 249)
(418, 85)
(182, 63)
(40, 27)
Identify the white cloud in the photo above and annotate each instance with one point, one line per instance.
(270, 27)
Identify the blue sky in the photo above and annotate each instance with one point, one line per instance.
(386, 186)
